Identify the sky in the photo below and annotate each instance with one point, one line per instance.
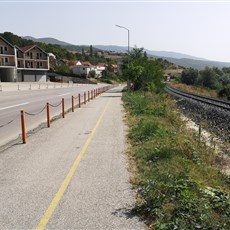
(197, 28)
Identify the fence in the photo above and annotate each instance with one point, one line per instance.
(15, 86)
(82, 99)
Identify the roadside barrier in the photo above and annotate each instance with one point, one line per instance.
(63, 108)
(48, 114)
(79, 100)
(72, 103)
(15, 86)
(91, 95)
(23, 123)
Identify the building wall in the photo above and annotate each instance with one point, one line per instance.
(7, 60)
(80, 70)
(29, 66)
(6, 48)
(8, 74)
(32, 76)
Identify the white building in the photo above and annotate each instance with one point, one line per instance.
(84, 68)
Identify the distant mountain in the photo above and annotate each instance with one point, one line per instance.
(65, 45)
(174, 57)
(48, 41)
(117, 49)
(163, 54)
(197, 64)
(167, 54)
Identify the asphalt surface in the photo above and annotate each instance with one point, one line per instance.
(33, 101)
(73, 175)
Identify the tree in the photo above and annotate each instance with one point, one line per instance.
(208, 78)
(189, 76)
(91, 50)
(144, 74)
(225, 92)
(153, 76)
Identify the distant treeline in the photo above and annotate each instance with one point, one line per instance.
(213, 78)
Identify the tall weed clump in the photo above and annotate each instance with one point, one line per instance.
(177, 184)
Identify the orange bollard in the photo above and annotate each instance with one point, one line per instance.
(79, 99)
(23, 123)
(48, 114)
(72, 103)
(63, 108)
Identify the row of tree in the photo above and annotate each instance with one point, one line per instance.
(213, 78)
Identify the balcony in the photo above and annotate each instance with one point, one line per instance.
(7, 64)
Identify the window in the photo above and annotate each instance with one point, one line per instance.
(6, 60)
(28, 54)
(5, 48)
(40, 54)
(40, 63)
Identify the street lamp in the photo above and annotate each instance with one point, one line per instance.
(128, 33)
(128, 81)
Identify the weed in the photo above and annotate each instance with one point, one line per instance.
(178, 186)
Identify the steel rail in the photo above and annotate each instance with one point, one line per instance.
(207, 100)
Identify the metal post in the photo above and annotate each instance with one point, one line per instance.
(23, 123)
(79, 100)
(48, 114)
(72, 103)
(63, 108)
(128, 81)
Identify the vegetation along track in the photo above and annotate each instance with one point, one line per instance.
(213, 114)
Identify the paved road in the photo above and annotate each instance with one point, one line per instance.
(33, 101)
(71, 176)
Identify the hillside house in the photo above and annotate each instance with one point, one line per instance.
(84, 69)
(27, 64)
(8, 60)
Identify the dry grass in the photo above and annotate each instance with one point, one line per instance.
(195, 89)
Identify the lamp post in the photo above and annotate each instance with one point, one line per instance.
(128, 33)
(128, 82)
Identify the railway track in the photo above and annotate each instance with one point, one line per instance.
(212, 112)
(222, 104)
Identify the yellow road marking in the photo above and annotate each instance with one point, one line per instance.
(45, 219)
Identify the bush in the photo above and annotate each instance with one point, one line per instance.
(225, 92)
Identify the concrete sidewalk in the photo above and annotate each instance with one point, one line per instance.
(97, 193)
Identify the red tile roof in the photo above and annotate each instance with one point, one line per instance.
(26, 48)
(86, 63)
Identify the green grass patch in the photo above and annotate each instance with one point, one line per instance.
(178, 185)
